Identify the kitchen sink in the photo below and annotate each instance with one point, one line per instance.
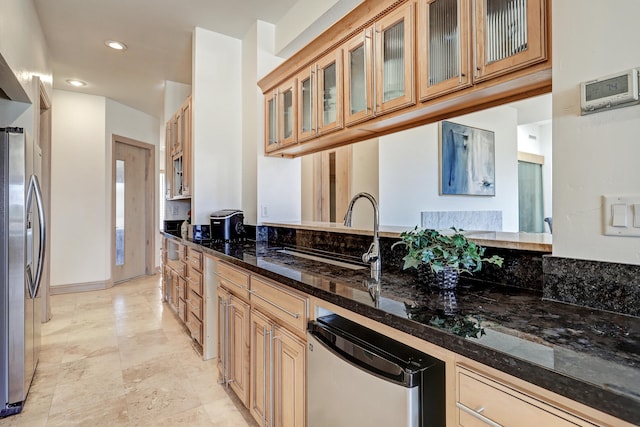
(335, 262)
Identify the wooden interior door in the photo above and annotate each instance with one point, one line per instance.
(132, 210)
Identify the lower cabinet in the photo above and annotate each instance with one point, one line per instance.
(233, 343)
(483, 401)
(278, 384)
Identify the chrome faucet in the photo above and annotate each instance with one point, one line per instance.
(372, 256)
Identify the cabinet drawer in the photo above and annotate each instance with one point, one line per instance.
(177, 266)
(195, 304)
(234, 280)
(195, 327)
(482, 400)
(194, 258)
(287, 307)
(195, 281)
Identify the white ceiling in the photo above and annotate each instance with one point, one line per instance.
(158, 36)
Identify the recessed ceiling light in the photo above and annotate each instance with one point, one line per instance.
(116, 45)
(76, 83)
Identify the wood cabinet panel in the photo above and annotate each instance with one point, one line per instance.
(289, 380)
(509, 36)
(286, 307)
(394, 60)
(482, 400)
(195, 304)
(444, 47)
(234, 280)
(260, 342)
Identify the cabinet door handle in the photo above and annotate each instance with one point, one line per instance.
(264, 374)
(294, 315)
(225, 280)
(271, 391)
(477, 414)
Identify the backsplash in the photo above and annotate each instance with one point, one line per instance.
(596, 284)
(521, 269)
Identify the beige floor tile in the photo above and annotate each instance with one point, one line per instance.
(99, 413)
(120, 357)
(86, 392)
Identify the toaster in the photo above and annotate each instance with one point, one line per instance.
(227, 224)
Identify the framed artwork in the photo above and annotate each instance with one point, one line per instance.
(467, 160)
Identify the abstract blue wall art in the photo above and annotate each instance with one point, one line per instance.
(467, 160)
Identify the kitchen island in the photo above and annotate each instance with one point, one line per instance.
(588, 356)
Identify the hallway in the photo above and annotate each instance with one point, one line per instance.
(119, 357)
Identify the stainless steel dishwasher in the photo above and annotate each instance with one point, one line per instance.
(360, 378)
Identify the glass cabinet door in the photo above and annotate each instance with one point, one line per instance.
(443, 46)
(394, 60)
(329, 72)
(306, 104)
(286, 114)
(358, 60)
(271, 121)
(510, 34)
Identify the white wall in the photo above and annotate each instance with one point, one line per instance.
(83, 126)
(79, 212)
(279, 180)
(23, 46)
(409, 182)
(217, 124)
(596, 154)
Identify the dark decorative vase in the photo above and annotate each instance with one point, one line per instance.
(447, 278)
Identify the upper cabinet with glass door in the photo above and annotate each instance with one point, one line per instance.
(510, 34)
(379, 66)
(500, 37)
(319, 108)
(443, 46)
(280, 116)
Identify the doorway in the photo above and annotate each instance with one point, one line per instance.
(132, 209)
(530, 194)
(332, 184)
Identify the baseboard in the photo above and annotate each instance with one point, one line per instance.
(79, 287)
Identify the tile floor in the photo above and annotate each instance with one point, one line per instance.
(120, 357)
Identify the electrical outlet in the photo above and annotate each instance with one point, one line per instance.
(265, 212)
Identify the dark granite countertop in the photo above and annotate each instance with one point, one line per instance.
(590, 356)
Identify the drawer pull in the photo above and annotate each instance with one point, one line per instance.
(477, 414)
(231, 281)
(294, 315)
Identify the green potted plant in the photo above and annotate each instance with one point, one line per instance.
(445, 254)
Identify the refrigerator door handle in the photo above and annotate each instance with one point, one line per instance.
(34, 190)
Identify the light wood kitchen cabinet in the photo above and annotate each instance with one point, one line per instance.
(510, 34)
(278, 359)
(379, 67)
(319, 106)
(482, 400)
(178, 146)
(278, 380)
(455, 56)
(194, 292)
(280, 116)
(499, 37)
(233, 350)
(233, 330)
(394, 60)
(444, 46)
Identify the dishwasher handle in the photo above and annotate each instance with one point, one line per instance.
(362, 356)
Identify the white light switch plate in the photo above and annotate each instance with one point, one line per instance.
(619, 214)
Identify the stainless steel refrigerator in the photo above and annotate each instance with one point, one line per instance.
(22, 243)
